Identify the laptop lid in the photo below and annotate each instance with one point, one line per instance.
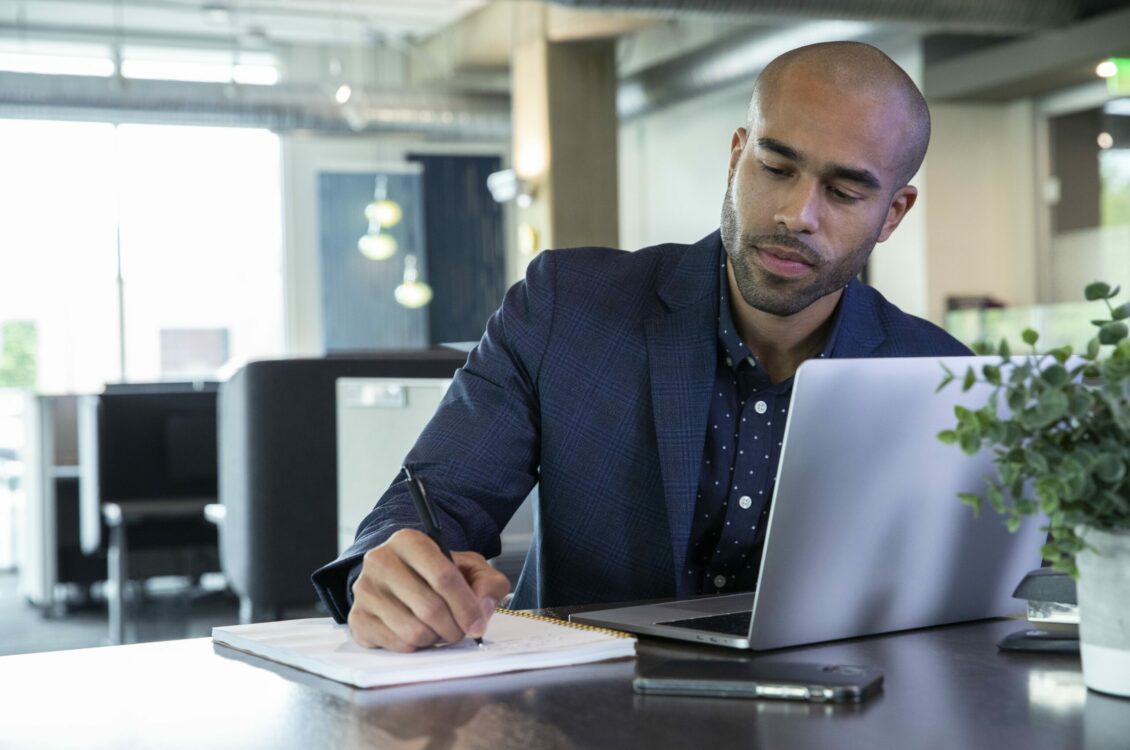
(865, 533)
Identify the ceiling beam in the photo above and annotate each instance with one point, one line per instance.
(1045, 62)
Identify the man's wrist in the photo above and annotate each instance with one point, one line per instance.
(350, 579)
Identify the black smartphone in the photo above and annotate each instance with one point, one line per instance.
(818, 683)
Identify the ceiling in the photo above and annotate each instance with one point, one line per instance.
(347, 22)
(362, 22)
(458, 51)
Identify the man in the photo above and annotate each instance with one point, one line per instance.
(646, 393)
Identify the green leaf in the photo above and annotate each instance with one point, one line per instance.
(1121, 312)
(1047, 486)
(1052, 406)
(949, 437)
(1093, 348)
(1110, 468)
(982, 348)
(1004, 350)
(1096, 290)
(1013, 523)
(1036, 460)
(970, 441)
(970, 379)
(995, 498)
(1054, 375)
(992, 374)
(971, 499)
(1081, 403)
(1030, 337)
(1112, 333)
(1017, 398)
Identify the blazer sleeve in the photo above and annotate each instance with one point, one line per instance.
(478, 456)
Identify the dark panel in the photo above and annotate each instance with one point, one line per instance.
(359, 312)
(1075, 161)
(466, 264)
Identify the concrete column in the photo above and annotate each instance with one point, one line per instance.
(564, 135)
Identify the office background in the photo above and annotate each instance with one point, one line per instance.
(185, 184)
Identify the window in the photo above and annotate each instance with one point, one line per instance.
(196, 215)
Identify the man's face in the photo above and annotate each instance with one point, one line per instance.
(811, 190)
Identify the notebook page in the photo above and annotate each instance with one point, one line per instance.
(513, 641)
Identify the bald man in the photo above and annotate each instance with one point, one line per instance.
(645, 393)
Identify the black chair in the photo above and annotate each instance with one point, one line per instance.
(148, 467)
(278, 470)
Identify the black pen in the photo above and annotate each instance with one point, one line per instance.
(428, 517)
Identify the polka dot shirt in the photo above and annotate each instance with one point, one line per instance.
(744, 432)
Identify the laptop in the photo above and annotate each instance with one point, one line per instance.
(865, 532)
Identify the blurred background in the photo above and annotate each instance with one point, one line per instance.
(190, 187)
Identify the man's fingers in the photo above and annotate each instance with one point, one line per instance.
(487, 584)
(448, 581)
(368, 631)
(392, 591)
(409, 595)
(413, 600)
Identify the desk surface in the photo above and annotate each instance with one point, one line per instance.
(945, 688)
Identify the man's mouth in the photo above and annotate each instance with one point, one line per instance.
(782, 261)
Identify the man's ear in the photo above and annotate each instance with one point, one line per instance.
(901, 202)
(737, 145)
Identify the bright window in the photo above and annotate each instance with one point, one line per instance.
(200, 238)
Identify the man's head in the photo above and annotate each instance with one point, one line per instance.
(820, 172)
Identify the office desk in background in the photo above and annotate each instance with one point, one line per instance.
(945, 688)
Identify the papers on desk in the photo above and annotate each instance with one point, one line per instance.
(514, 641)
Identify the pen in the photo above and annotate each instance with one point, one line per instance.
(428, 517)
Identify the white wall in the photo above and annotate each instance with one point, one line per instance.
(981, 204)
(898, 267)
(672, 166)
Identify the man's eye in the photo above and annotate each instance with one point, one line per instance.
(772, 170)
(840, 195)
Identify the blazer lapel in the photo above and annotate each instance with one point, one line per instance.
(682, 358)
(859, 332)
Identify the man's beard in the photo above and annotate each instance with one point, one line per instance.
(778, 295)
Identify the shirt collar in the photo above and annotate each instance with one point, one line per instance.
(731, 346)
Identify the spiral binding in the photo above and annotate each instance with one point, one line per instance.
(564, 623)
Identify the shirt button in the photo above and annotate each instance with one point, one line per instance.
(760, 407)
(719, 581)
(745, 501)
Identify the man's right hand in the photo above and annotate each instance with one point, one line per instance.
(410, 596)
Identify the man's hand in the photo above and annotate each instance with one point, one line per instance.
(410, 596)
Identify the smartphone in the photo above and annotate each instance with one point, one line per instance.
(817, 683)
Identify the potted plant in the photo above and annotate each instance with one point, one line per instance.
(1058, 423)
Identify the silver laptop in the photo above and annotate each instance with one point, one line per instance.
(865, 533)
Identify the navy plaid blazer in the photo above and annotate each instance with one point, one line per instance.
(593, 380)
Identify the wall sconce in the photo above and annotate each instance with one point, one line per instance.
(506, 185)
(412, 293)
(382, 214)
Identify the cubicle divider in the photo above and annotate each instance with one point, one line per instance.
(278, 471)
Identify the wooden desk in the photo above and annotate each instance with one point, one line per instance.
(946, 688)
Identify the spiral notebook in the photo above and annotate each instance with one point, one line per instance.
(514, 641)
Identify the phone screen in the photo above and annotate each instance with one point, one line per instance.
(822, 683)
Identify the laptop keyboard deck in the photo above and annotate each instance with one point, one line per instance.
(730, 623)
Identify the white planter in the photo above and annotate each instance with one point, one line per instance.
(1104, 611)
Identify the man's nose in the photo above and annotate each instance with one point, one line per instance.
(799, 209)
